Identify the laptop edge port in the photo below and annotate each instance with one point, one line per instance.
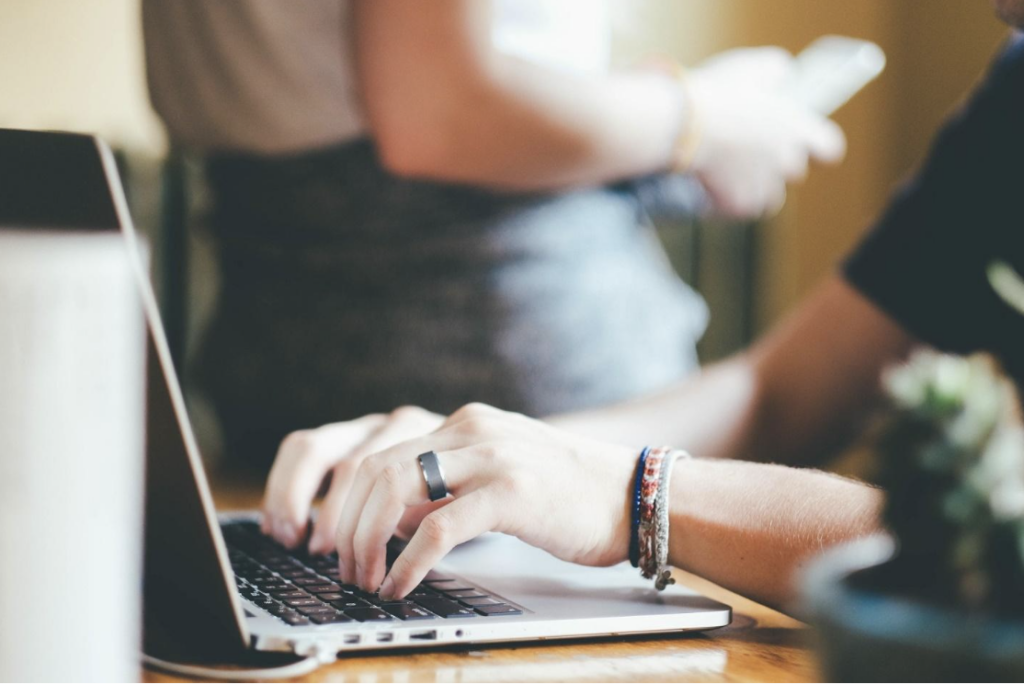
(429, 635)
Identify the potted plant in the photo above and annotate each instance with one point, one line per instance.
(943, 598)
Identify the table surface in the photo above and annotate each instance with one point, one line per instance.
(761, 644)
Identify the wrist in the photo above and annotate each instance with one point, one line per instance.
(690, 139)
(689, 134)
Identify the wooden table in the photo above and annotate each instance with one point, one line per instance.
(760, 645)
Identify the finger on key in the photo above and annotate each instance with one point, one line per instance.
(465, 518)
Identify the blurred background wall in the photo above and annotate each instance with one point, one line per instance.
(78, 65)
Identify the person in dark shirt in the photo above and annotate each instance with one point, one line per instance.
(920, 278)
(926, 262)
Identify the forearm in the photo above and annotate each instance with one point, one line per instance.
(443, 103)
(527, 128)
(750, 527)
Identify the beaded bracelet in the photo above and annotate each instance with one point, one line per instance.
(653, 530)
(648, 499)
(634, 520)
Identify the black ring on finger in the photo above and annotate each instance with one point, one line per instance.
(437, 488)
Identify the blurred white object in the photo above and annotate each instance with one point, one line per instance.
(754, 137)
(831, 70)
(572, 35)
(72, 400)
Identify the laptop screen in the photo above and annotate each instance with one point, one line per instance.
(53, 180)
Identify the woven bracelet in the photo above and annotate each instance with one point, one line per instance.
(662, 572)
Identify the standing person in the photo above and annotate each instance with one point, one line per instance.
(431, 202)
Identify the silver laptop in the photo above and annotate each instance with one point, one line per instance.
(215, 587)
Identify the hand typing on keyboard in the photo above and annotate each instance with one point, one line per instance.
(506, 473)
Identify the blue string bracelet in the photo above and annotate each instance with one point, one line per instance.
(634, 534)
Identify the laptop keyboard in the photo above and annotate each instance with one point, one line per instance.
(300, 589)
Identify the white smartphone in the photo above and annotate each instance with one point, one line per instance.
(832, 69)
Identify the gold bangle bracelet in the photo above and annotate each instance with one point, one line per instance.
(689, 139)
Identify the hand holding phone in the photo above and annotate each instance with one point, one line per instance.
(754, 136)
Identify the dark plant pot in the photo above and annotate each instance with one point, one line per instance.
(866, 634)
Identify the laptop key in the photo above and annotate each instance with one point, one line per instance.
(464, 593)
(325, 564)
(295, 619)
(290, 593)
(330, 619)
(422, 586)
(263, 578)
(454, 586)
(445, 608)
(302, 602)
(408, 612)
(479, 601)
(350, 602)
(331, 597)
(280, 610)
(395, 602)
(298, 575)
(313, 610)
(322, 588)
(277, 586)
(499, 609)
(368, 614)
(282, 566)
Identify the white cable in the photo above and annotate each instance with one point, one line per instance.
(303, 667)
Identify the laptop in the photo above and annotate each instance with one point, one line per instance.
(216, 588)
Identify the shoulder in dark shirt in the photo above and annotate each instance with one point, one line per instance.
(925, 261)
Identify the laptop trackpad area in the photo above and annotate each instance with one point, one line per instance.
(551, 587)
